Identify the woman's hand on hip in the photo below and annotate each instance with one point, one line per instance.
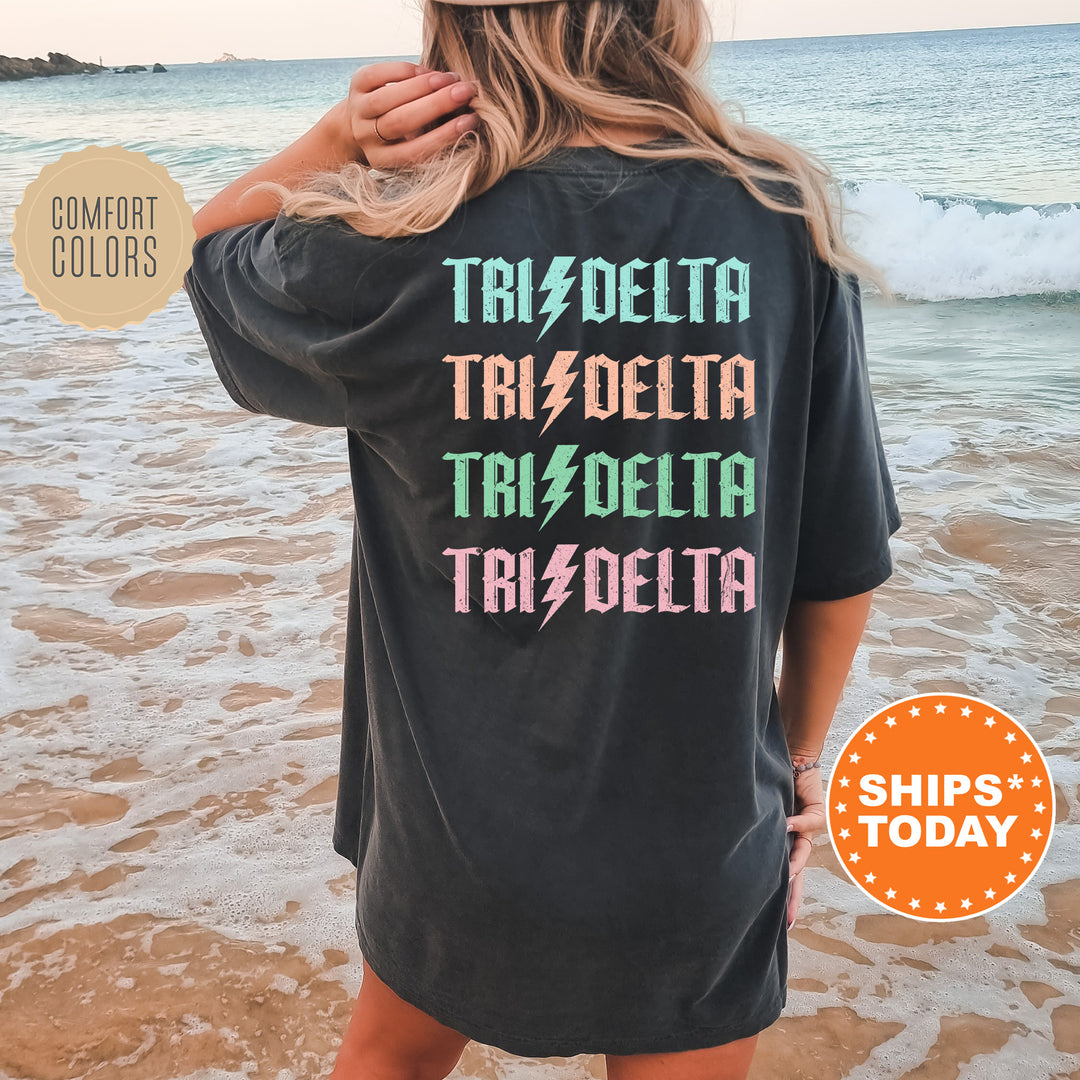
(418, 112)
(807, 821)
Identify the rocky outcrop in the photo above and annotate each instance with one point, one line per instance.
(14, 67)
(228, 58)
(159, 67)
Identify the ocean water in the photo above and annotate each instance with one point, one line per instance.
(175, 572)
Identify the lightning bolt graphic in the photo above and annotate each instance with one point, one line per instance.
(556, 284)
(560, 475)
(560, 378)
(560, 572)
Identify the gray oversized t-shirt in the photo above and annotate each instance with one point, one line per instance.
(603, 425)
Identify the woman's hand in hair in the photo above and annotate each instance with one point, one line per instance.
(419, 112)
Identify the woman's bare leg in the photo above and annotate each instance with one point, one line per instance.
(389, 1039)
(728, 1062)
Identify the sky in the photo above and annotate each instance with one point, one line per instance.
(138, 32)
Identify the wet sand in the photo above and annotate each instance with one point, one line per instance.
(170, 903)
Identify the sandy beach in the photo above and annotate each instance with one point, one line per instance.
(170, 905)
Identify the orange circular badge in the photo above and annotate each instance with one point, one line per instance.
(940, 807)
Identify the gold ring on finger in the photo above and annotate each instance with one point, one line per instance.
(381, 136)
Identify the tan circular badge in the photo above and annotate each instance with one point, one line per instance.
(103, 237)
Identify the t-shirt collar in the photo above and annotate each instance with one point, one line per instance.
(602, 159)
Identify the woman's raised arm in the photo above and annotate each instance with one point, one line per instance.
(405, 98)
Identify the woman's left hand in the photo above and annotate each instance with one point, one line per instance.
(808, 820)
(405, 100)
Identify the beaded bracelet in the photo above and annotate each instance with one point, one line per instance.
(796, 769)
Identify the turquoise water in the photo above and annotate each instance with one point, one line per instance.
(962, 147)
(982, 114)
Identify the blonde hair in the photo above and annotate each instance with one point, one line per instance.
(552, 71)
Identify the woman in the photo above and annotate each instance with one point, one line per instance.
(597, 349)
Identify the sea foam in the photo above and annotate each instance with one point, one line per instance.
(951, 248)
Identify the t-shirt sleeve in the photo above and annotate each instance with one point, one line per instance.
(849, 508)
(245, 284)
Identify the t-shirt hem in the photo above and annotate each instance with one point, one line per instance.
(343, 849)
(563, 1044)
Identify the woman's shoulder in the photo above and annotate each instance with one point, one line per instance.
(572, 200)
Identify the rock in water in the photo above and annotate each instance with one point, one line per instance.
(14, 67)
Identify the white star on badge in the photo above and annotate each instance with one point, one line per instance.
(965, 903)
(844, 781)
(844, 834)
(891, 721)
(913, 903)
(939, 708)
(965, 711)
(1010, 878)
(990, 721)
(1036, 781)
(854, 758)
(854, 856)
(890, 894)
(1039, 808)
(870, 736)
(1026, 857)
(1025, 758)
(870, 879)
(990, 894)
(939, 906)
(1011, 737)
(914, 710)
(1036, 833)
(841, 807)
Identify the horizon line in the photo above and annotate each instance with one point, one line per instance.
(715, 41)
